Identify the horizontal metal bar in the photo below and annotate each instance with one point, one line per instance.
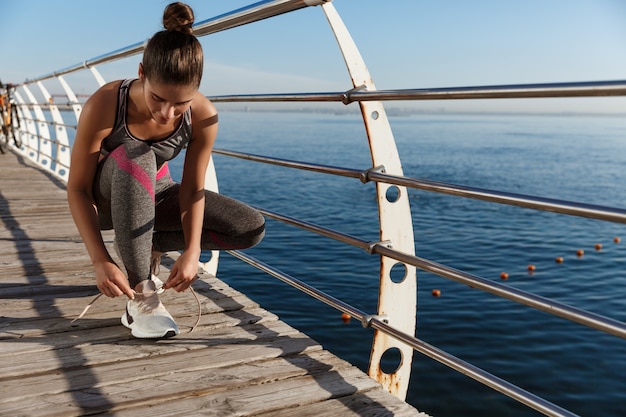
(554, 90)
(46, 106)
(109, 57)
(592, 211)
(41, 138)
(255, 12)
(595, 321)
(498, 384)
(311, 227)
(277, 97)
(50, 123)
(325, 169)
(531, 400)
(252, 13)
(312, 291)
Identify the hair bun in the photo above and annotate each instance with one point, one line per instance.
(178, 17)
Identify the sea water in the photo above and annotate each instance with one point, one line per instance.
(577, 158)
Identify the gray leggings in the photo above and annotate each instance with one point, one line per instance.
(142, 206)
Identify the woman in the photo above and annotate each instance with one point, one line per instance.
(119, 179)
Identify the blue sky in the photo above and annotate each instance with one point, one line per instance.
(406, 44)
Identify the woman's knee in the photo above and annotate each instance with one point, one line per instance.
(256, 230)
(247, 229)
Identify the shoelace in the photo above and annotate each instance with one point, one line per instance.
(147, 301)
(88, 306)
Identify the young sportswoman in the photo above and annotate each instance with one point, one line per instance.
(119, 178)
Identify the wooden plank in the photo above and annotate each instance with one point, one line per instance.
(70, 304)
(116, 344)
(241, 360)
(241, 389)
(373, 403)
(43, 316)
(105, 330)
(179, 360)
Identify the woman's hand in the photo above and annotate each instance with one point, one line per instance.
(184, 272)
(111, 281)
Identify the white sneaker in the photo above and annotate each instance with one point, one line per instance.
(146, 316)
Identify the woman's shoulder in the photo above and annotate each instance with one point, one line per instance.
(202, 108)
(101, 106)
(105, 94)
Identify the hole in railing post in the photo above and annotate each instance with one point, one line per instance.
(375, 115)
(398, 273)
(391, 360)
(392, 194)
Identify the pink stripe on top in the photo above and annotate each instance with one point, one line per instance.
(163, 171)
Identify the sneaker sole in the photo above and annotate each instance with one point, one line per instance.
(141, 335)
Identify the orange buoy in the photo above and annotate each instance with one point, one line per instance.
(345, 317)
(504, 275)
(559, 259)
(580, 253)
(617, 239)
(531, 268)
(598, 246)
(436, 292)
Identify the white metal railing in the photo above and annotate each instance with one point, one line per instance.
(394, 322)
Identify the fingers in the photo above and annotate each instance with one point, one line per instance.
(178, 280)
(111, 281)
(179, 283)
(129, 292)
(114, 291)
(114, 288)
(123, 287)
(176, 285)
(110, 291)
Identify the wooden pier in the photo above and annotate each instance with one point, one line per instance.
(240, 361)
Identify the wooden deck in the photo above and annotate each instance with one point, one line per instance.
(240, 361)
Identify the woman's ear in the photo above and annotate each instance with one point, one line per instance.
(140, 72)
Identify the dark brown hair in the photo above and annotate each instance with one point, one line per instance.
(174, 55)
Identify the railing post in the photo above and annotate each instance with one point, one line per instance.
(397, 297)
(62, 154)
(210, 183)
(76, 107)
(97, 76)
(44, 154)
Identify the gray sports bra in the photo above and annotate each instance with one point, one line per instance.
(164, 149)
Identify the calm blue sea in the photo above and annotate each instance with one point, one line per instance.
(573, 158)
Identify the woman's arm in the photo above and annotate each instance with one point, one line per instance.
(191, 197)
(96, 122)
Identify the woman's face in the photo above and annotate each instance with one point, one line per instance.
(166, 102)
